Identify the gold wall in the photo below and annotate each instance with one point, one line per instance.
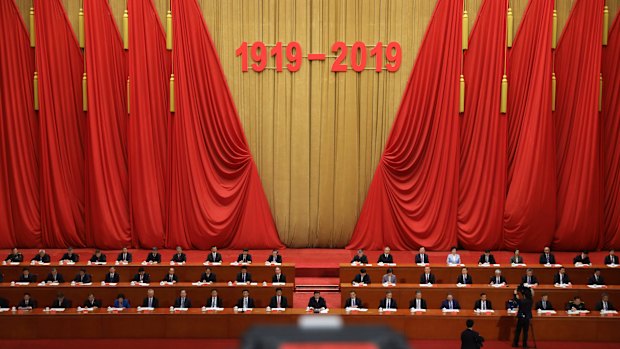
(317, 136)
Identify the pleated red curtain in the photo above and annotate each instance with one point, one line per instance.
(20, 222)
(578, 159)
(107, 182)
(412, 199)
(482, 174)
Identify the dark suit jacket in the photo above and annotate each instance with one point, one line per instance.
(166, 278)
(31, 303)
(455, 304)
(418, 258)
(482, 259)
(578, 259)
(543, 259)
(592, 280)
(431, 278)
(102, 258)
(120, 257)
(218, 258)
(581, 306)
(44, 259)
(86, 279)
(359, 259)
(383, 259)
(459, 280)
(248, 277)
(478, 305)
(74, 257)
(313, 303)
(608, 259)
(248, 258)
(358, 302)
(188, 302)
(20, 258)
(59, 278)
(210, 303)
(110, 279)
(155, 302)
(533, 279)
(65, 303)
(525, 307)
(412, 303)
(359, 279)
(599, 306)
(30, 278)
(155, 259)
(493, 280)
(210, 278)
(275, 279)
(274, 302)
(179, 259)
(278, 259)
(250, 302)
(470, 339)
(556, 278)
(517, 260)
(95, 303)
(383, 303)
(146, 278)
(548, 305)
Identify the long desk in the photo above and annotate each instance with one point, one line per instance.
(226, 324)
(45, 295)
(186, 272)
(467, 296)
(410, 273)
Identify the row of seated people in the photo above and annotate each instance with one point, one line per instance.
(126, 257)
(453, 257)
(142, 276)
(427, 277)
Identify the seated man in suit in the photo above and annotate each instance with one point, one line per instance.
(121, 301)
(464, 278)
(27, 303)
(582, 258)
(561, 278)
(604, 304)
(91, 302)
(154, 256)
(26, 276)
(245, 302)
(497, 279)
(208, 276)
(244, 276)
(386, 257)
(54, 276)
(112, 277)
(214, 256)
(389, 278)
(596, 278)
(543, 303)
(516, 258)
(611, 258)
(316, 301)
(244, 257)
(150, 301)
(450, 303)
(278, 301)
(547, 257)
(179, 257)
(418, 302)
(471, 339)
(98, 257)
(170, 277)
(69, 256)
(576, 304)
(182, 301)
(278, 276)
(422, 256)
(82, 277)
(353, 301)
(61, 301)
(388, 302)
(124, 256)
(362, 277)
(214, 301)
(142, 277)
(41, 257)
(486, 258)
(15, 256)
(360, 257)
(529, 278)
(483, 303)
(427, 277)
(274, 257)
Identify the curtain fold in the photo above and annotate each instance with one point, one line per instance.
(59, 62)
(578, 67)
(411, 201)
(107, 201)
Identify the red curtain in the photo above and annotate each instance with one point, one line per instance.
(59, 62)
(149, 71)
(107, 201)
(482, 177)
(577, 68)
(411, 201)
(20, 222)
(529, 213)
(611, 135)
(216, 197)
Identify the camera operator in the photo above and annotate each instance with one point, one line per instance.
(523, 298)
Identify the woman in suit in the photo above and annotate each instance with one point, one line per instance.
(121, 301)
(516, 259)
(453, 257)
(389, 278)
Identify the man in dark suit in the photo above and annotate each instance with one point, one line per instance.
(244, 257)
(98, 257)
(450, 303)
(69, 256)
(385, 257)
(316, 301)
(170, 277)
(214, 256)
(582, 258)
(464, 278)
(362, 277)
(483, 303)
(422, 256)
(604, 304)
(486, 258)
(388, 302)
(82, 277)
(27, 303)
(112, 276)
(561, 278)
(543, 303)
(596, 278)
(278, 301)
(214, 301)
(611, 258)
(576, 304)
(142, 276)
(498, 279)
(360, 257)
(208, 276)
(278, 276)
(547, 257)
(529, 277)
(418, 302)
(353, 301)
(246, 301)
(26, 276)
(427, 277)
(15, 256)
(150, 301)
(274, 257)
(54, 276)
(41, 257)
(179, 257)
(154, 256)
(61, 301)
(244, 276)
(182, 301)
(470, 339)
(91, 302)
(523, 298)
(124, 256)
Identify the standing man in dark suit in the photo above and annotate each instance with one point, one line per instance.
(471, 339)
(214, 301)
(208, 276)
(353, 301)
(154, 256)
(422, 256)
(182, 301)
(142, 277)
(91, 302)
(362, 277)
(214, 256)
(611, 258)
(596, 278)
(179, 257)
(15, 256)
(547, 257)
(486, 258)
(245, 302)
(112, 277)
(98, 257)
(418, 302)
(385, 257)
(69, 256)
(316, 301)
(360, 257)
(150, 301)
(278, 301)
(244, 257)
(274, 257)
(388, 302)
(278, 276)
(543, 303)
(427, 277)
(124, 256)
(523, 298)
